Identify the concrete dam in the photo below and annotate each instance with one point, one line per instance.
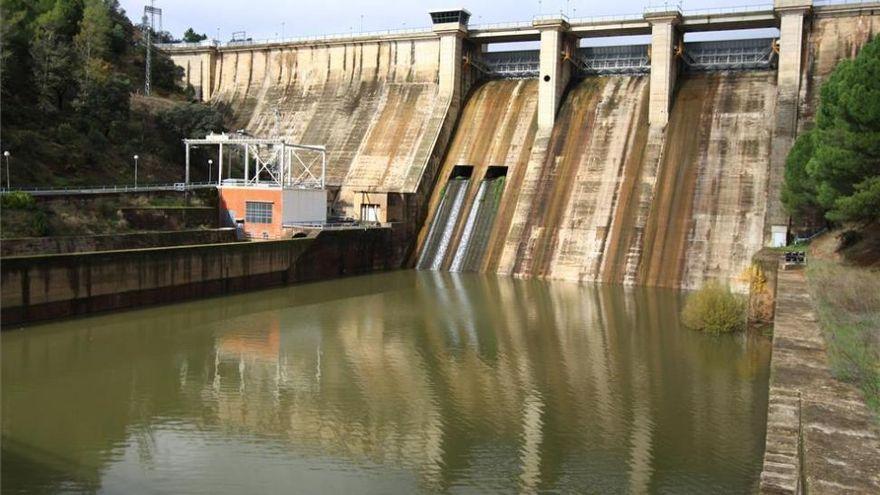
(651, 164)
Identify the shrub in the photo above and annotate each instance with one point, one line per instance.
(713, 308)
(39, 224)
(761, 300)
(18, 200)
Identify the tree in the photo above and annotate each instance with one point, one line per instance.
(190, 36)
(835, 168)
(67, 72)
(94, 36)
(52, 64)
(799, 192)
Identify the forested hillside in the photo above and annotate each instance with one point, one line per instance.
(72, 106)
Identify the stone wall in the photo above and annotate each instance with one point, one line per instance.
(52, 286)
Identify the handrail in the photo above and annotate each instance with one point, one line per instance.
(302, 39)
(550, 17)
(58, 190)
(500, 25)
(606, 18)
(187, 44)
(822, 3)
(764, 7)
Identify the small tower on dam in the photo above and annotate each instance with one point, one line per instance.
(452, 27)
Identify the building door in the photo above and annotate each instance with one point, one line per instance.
(369, 212)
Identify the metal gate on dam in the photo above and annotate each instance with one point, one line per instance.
(655, 163)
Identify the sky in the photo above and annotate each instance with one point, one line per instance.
(262, 19)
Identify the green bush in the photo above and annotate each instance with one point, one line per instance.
(39, 224)
(713, 308)
(18, 200)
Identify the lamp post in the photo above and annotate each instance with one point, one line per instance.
(135, 171)
(210, 166)
(7, 154)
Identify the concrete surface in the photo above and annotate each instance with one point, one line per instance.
(821, 437)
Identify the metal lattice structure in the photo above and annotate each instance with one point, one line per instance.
(149, 21)
(512, 64)
(266, 162)
(748, 54)
(627, 59)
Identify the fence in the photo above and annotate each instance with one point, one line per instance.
(61, 191)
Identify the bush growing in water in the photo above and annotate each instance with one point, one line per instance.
(714, 308)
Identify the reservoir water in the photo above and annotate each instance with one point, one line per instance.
(402, 382)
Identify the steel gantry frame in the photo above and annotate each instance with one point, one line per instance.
(699, 56)
(626, 59)
(511, 64)
(702, 56)
(277, 162)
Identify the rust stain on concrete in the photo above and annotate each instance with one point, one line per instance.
(669, 222)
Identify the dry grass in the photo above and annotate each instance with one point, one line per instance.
(713, 308)
(848, 302)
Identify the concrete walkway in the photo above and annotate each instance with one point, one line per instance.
(821, 438)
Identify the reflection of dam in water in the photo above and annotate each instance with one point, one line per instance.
(398, 382)
(656, 162)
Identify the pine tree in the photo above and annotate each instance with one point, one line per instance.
(835, 168)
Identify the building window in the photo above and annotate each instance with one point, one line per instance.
(257, 212)
(442, 17)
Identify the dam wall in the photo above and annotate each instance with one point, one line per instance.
(832, 36)
(566, 197)
(610, 200)
(666, 172)
(707, 215)
(368, 103)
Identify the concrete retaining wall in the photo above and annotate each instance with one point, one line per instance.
(29, 246)
(821, 437)
(52, 286)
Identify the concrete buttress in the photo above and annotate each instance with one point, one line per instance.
(665, 39)
(792, 15)
(554, 72)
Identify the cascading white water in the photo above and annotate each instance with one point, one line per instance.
(427, 252)
(443, 225)
(466, 236)
(455, 210)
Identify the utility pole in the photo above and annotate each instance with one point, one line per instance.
(151, 11)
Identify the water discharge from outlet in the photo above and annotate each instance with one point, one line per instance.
(445, 219)
(480, 221)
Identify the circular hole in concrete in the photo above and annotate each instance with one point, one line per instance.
(547, 78)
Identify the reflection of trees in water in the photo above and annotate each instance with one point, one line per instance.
(527, 384)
